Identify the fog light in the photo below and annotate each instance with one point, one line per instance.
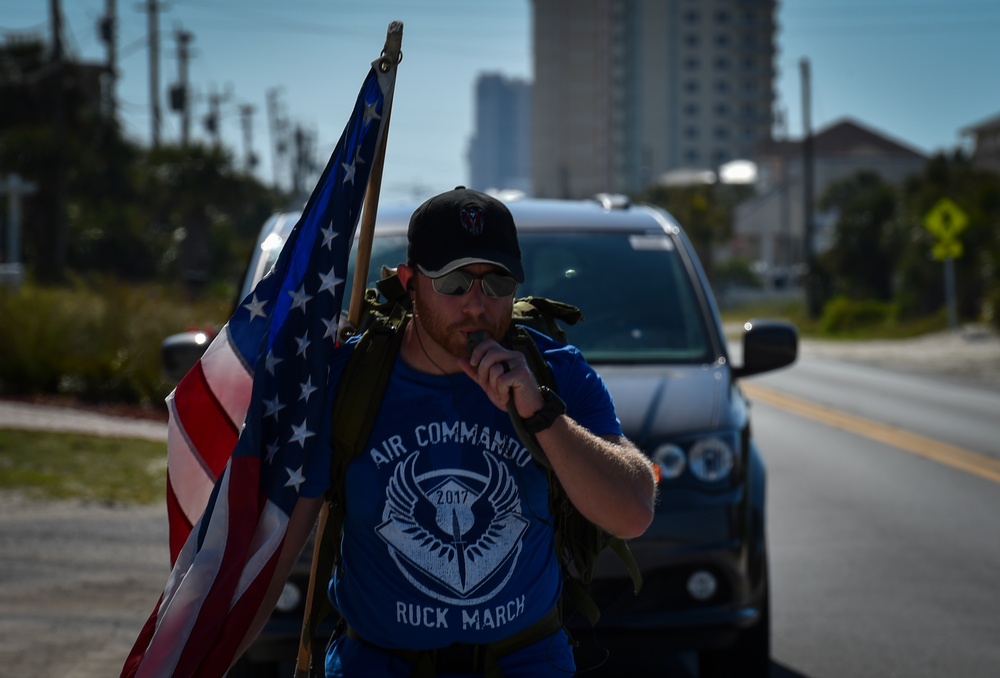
(702, 585)
(290, 597)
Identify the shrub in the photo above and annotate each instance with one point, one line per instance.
(844, 316)
(98, 344)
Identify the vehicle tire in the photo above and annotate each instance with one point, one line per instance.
(749, 656)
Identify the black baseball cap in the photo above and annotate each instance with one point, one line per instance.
(462, 227)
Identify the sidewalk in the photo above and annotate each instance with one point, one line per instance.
(34, 417)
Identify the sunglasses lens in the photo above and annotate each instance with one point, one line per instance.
(457, 283)
(453, 284)
(498, 285)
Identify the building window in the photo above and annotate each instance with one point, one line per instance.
(719, 157)
(721, 133)
(692, 39)
(692, 64)
(690, 132)
(722, 40)
(691, 156)
(722, 109)
(691, 16)
(721, 86)
(691, 109)
(722, 64)
(691, 86)
(722, 17)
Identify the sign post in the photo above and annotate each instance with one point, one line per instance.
(946, 220)
(15, 188)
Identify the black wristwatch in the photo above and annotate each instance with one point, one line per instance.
(550, 411)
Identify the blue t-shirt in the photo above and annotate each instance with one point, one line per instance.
(448, 536)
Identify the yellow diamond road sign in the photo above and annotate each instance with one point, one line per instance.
(946, 249)
(946, 220)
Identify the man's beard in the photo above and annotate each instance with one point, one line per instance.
(452, 337)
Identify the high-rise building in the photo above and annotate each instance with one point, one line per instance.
(627, 90)
(500, 150)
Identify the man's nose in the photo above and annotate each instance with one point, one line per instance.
(475, 298)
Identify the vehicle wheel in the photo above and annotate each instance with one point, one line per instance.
(749, 656)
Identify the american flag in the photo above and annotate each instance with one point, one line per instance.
(244, 421)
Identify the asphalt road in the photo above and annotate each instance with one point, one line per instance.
(77, 582)
(884, 563)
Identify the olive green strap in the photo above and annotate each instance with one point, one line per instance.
(364, 380)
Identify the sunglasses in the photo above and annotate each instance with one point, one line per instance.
(457, 283)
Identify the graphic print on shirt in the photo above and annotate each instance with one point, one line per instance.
(453, 533)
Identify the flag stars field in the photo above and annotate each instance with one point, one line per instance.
(256, 308)
(295, 478)
(299, 298)
(329, 282)
(307, 389)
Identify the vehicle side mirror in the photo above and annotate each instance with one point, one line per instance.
(179, 352)
(767, 345)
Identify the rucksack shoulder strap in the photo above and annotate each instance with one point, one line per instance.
(363, 381)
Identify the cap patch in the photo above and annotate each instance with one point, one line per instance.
(473, 219)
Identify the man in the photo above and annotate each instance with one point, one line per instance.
(448, 539)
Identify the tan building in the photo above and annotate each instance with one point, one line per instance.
(769, 228)
(985, 138)
(627, 90)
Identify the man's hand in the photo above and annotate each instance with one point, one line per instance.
(504, 374)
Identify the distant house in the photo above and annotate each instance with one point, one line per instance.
(769, 228)
(985, 138)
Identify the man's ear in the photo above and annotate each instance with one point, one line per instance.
(406, 274)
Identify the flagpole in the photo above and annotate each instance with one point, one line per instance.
(391, 56)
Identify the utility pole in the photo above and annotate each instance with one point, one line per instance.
(303, 163)
(51, 265)
(107, 29)
(153, 8)
(813, 301)
(180, 98)
(246, 118)
(279, 134)
(212, 119)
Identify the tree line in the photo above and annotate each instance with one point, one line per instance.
(105, 205)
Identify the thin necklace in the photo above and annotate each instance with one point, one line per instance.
(428, 355)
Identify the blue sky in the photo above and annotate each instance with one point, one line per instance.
(918, 71)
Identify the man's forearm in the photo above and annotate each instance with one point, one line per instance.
(608, 480)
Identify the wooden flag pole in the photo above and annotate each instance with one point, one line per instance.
(391, 56)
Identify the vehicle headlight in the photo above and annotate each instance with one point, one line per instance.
(669, 460)
(291, 596)
(711, 459)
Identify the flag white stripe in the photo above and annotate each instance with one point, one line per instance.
(228, 377)
(190, 479)
(186, 590)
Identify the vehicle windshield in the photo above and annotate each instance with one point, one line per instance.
(636, 295)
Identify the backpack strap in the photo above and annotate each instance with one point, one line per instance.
(578, 541)
(363, 381)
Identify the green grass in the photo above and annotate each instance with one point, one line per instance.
(49, 465)
(794, 311)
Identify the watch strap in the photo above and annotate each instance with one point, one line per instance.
(552, 407)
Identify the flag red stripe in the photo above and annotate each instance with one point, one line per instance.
(244, 509)
(138, 651)
(180, 526)
(238, 622)
(207, 425)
